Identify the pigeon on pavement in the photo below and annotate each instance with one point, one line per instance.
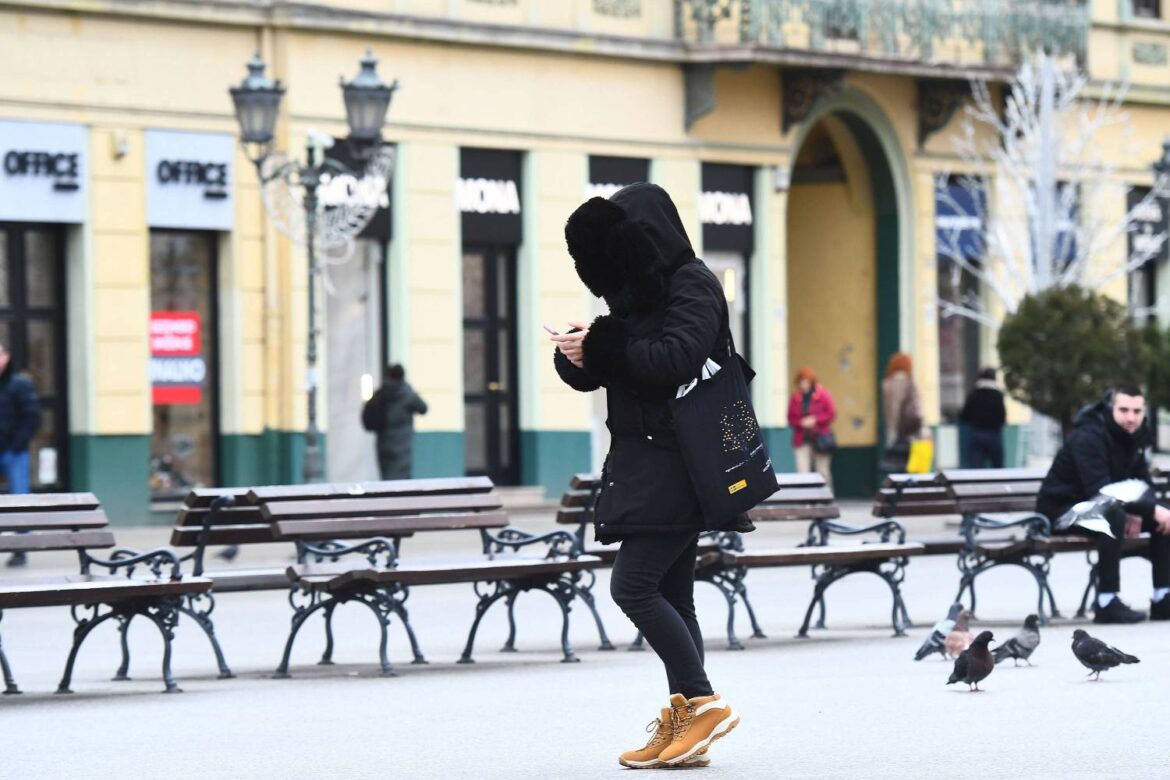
(935, 643)
(959, 638)
(1021, 646)
(1096, 655)
(974, 663)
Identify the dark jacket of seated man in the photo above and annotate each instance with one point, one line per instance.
(1097, 452)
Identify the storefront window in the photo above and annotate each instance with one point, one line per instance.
(183, 365)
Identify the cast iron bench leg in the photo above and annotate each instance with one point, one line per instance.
(639, 643)
(82, 630)
(510, 644)
(123, 673)
(202, 618)
(298, 620)
(1090, 586)
(381, 611)
(563, 591)
(485, 602)
(826, 578)
(166, 617)
(9, 681)
(396, 598)
(327, 614)
(586, 594)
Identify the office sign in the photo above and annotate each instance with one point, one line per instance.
(189, 180)
(43, 172)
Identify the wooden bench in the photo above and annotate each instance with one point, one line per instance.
(148, 584)
(723, 560)
(806, 498)
(330, 525)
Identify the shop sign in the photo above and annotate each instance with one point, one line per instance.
(189, 180)
(373, 191)
(42, 172)
(487, 195)
(607, 175)
(725, 208)
(178, 369)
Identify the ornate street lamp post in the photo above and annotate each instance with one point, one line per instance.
(287, 183)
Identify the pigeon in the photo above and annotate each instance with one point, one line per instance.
(959, 638)
(1021, 646)
(1096, 655)
(934, 642)
(974, 663)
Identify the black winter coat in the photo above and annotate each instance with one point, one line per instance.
(390, 414)
(20, 413)
(1096, 453)
(984, 408)
(667, 313)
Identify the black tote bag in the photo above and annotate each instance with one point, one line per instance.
(721, 441)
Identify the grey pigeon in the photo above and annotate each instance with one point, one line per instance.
(938, 635)
(1096, 655)
(974, 663)
(1021, 646)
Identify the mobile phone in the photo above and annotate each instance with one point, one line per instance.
(550, 330)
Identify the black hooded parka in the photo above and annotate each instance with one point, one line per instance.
(667, 316)
(1097, 452)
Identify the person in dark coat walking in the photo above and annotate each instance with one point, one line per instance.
(667, 315)
(1107, 445)
(390, 414)
(20, 416)
(985, 415)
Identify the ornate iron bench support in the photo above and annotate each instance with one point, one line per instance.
(892, 570)
(9, 681)
(163, 611)
(972, 562)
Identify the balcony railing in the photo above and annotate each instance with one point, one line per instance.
(976, 33)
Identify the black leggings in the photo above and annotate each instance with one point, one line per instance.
(654, 584)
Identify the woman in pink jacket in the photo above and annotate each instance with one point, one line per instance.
(811, 412)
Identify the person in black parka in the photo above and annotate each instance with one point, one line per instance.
(390, 415)
(1108, 444)
(985, 414)
(667, 313)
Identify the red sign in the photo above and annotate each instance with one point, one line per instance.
(177, 368)
(174, 333)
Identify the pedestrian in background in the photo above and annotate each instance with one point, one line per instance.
(20, 416)
(902, 406)
(811, 412)
(390, 415)
(984, 414)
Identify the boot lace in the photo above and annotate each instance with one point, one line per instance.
(658, 730)
(681, 721)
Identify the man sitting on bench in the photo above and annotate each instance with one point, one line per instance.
(1107, 445)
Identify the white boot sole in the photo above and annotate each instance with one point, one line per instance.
(721, 729)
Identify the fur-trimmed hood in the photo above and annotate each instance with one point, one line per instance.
(626, 248)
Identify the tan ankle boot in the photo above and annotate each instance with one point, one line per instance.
(662, 731)
(697, 723)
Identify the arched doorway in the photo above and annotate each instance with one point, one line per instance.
(847, 262)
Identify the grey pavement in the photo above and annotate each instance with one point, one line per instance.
(847, 703)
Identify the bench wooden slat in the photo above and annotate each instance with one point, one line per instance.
(47, 502)
(34, 521)
(582, 481)
(241, 580)
(570, 516)
(233, 534)
(780, 512)
(958, 476)
(61, 590)
(366, 527)
(455, 570)
(574, 498)
(193, 517)
(400, 487)
(976, 490)
(377, 507)
(801, 495)
(55, 540)
(201, 498)
(807, 556)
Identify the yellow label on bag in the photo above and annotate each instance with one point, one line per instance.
(738, 486)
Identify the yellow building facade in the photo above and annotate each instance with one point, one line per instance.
(163, 314)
